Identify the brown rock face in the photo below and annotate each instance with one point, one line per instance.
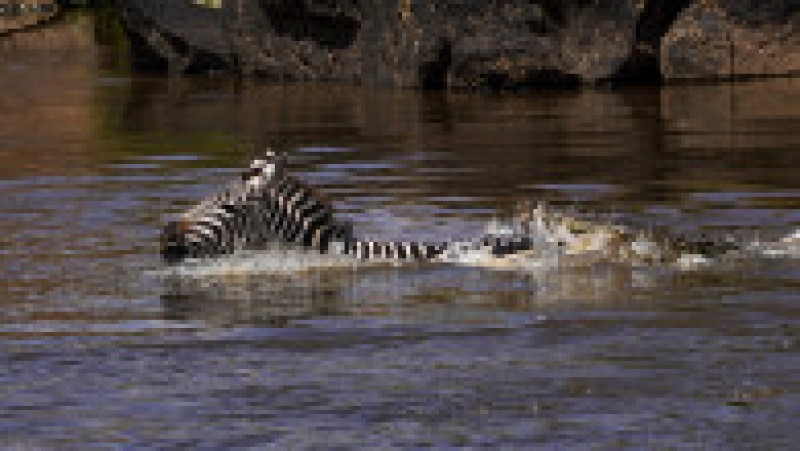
(467, 43)
(521, 44)
(733, 38)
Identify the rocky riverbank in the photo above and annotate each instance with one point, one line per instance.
(18, 15)
(468, 43)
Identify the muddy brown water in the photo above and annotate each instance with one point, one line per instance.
(93, 351)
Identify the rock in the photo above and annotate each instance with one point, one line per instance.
(517, 43)
(18, 16)
(466, 43)
(715, 39)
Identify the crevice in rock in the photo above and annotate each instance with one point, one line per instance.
(433, 74)
(195, 60)
(143, 56)
(543, 78)
(293, 18)
(552, 77)
(155, 50)
(643, 64)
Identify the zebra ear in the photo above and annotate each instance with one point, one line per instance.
(271, 157)
(270, 164)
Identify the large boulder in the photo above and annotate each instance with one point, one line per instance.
(733, 38)
(517, 43)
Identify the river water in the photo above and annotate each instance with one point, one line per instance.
(95, 350)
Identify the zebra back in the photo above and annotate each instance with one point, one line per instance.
(265, 204)
(241, 213)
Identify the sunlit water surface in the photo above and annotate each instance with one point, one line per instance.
(94, 350)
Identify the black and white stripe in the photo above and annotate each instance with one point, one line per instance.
(269, 205)
(238, 215)
(394, 250)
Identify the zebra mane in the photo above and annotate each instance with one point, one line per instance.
(263, 204)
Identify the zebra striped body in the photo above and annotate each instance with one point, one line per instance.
(269, 205)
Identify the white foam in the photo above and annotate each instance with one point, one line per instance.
(558, 241)
(271, 261)
(692, 261)
(788, 246)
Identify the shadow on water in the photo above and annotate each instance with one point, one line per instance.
(95, 159)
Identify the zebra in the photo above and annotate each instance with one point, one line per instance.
(267, 204)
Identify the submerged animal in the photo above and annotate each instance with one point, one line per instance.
(267, 205)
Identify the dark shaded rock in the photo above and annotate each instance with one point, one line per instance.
(175, 36)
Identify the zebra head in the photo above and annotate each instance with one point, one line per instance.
(176, 244)
(211, 227)
(270, 166)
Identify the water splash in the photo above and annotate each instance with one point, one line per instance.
(561, 239)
